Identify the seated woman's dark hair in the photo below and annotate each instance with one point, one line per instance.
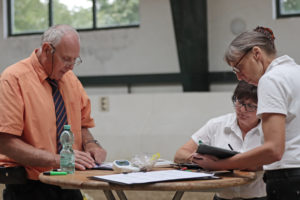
(245, 90)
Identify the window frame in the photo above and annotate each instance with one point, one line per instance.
(280, 15)
(50, 22)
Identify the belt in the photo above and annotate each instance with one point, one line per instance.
(13, 175)
(282, 173)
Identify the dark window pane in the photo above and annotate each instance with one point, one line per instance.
(77, 13)
(117, 12)
(289, 7)
(29, 16)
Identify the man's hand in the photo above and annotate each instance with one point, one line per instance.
(96, 152)
(83, 160)
(91, 147)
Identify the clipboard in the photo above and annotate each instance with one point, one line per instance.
(215, 151)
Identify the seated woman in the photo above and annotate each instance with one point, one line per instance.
(240, 130)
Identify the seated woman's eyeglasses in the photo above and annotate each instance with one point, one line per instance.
(239, 103)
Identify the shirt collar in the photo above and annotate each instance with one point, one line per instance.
(38, 68)
(232, 126)
(280, 60)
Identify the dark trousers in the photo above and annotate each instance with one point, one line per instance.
(283, 184)
(36, 190)
(258, 198)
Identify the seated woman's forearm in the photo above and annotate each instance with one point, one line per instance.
(185, 153)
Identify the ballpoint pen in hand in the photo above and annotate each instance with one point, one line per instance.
(230, 147)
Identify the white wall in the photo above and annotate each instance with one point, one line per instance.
(255, 12)
(221, 13)
(151, 123)
(150, 48)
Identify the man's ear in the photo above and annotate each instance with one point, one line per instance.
(46, 47)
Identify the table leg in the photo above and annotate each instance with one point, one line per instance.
(121, 195)
(178, 195)
(109, 195)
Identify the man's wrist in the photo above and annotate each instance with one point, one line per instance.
(91, 141)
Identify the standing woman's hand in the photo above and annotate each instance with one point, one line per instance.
(205, 161)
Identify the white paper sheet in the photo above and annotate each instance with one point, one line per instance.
(154, 176)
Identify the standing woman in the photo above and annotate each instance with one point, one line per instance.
(252, 55)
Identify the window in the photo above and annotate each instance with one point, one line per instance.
(35, 16)
(287, 8)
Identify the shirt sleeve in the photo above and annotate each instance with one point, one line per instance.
(86, 120)
(11, 106)
(204, 134)
(273, 96)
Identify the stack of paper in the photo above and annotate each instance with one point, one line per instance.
(154, 176)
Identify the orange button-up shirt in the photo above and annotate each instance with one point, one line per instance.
(27, 109)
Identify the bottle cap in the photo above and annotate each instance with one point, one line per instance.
(67, 127)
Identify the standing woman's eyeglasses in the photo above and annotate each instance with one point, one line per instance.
(235, 69)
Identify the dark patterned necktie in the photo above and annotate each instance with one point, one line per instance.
(60, 111)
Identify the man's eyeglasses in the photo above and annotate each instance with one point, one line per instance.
(68, 62)
(235, 69)
(239, 103)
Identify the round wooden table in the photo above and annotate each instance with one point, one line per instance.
(81, 180)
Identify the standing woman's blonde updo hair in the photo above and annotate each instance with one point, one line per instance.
(261, 36)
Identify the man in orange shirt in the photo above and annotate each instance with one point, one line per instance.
(28, 119)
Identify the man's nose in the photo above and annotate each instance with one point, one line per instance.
(70, 66)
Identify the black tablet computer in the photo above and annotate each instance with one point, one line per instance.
(215, 151)
(187, 165)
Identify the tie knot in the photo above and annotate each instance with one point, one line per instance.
(52, 82)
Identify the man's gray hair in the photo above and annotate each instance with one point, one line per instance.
(54, 34)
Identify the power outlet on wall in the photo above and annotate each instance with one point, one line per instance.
(104, 104)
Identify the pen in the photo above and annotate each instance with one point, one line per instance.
(230, 147)
(53, 173)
